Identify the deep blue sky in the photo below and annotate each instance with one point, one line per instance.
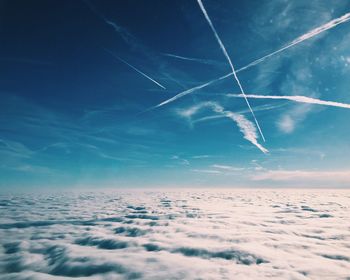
(70, 111)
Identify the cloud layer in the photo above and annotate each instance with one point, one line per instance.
(192, 234)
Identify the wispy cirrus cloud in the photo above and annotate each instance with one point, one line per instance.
(208, 171)
(294, 175)
(201, 156)
(245, 126)
(193, 59)
(18, 157)
(180, 160)
(264, 107)
(287, 123)
(14, 149)
(227, 167)
(127, 37)
(217, 169)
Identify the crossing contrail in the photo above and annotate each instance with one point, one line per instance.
(296, 98)
(181, 94)
(229, 61)
(137, 70)
(331, 24)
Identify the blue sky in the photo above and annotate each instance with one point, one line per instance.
(75, 114)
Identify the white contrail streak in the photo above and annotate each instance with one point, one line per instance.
(229, 61)
(181, 94)
(258, 108)
(137, 70)
(300, 39)
(296, 98)
(306, 36)
(116, 27)
(194, 59)
(127, 37)
(245, 126)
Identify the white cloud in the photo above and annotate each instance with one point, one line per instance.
(295, 175)
(177, 234)
(245, 126)
(194, 59)
(201, 156)
(180, 160)
(209, 171)
(227, 167)
(286, 124)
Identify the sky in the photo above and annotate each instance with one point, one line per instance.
(88, 92)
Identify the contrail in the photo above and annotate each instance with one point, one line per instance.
(300, 39)
(116, 27)
(306, 36)
(181, 94)
(137, 70)
(194, 59)
(184, 93)
(258, 108)
(245, 126)
(296, 98)
(127, 37)
(229, 61)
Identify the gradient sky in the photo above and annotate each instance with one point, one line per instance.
(71, 111)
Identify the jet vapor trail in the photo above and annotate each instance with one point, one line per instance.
(245, 126)
(200, 60)
(300, 39)
(181, 94)
(229, 61)
(296, 98)
(127, 37)
(116, 27)
(306, 36)
(137, 70)
(258, 108)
